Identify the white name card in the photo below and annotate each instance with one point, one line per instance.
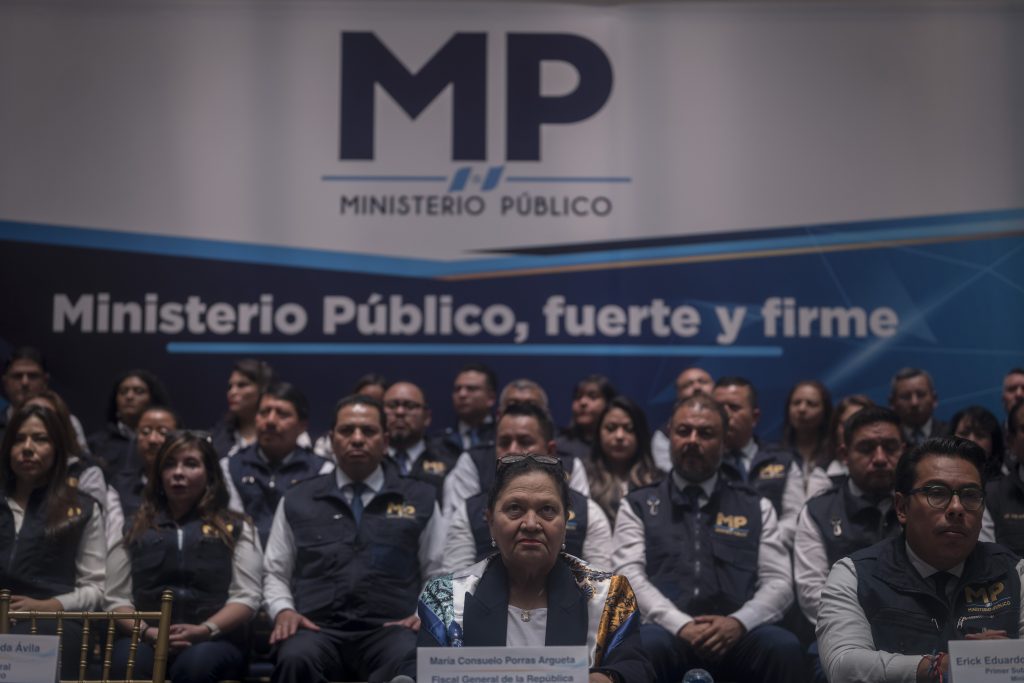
(28, 659)
(986, 661)
(502, 665)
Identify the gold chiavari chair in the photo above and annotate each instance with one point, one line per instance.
(162, 619)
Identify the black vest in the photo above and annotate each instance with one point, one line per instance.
(906, 615)
(431, 468)
(706, 562)
(127, 481)
(261, 487)
(356, 578)
(36, 564)
(848, 523)
(768, 472)
(1005, 501)
(199, 571)
(575, 527)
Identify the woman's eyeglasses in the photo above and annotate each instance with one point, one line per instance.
(513, 458)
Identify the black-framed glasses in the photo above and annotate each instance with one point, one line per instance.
(939, 496)
(513, 458)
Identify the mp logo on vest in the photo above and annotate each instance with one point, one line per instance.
(773, 471)
(732, 525)
(986, 598)
(400, 511)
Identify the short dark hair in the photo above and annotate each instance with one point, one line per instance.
(706, 402)
(909, 373)
(370, 379)
(157, 392)
(153, 407)
(507, 473)
(360, 400)
(948, 446)
(490, 376)
(738, 381)
(983, 418)
(547, 426)
(259, 372)
(869, 416)
(1013, 417)
(604, 385)
(286, 391)
(30, 353)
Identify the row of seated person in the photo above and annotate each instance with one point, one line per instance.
(347, 553)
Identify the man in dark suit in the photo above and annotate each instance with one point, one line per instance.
(913, 398)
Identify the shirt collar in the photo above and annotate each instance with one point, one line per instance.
(926, 570)
(266, 461)
(707, 486)
(926, 429)
(750, 450)
(884, 504)
(414, 451)
(374, 482)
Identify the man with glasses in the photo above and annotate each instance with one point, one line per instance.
(889, 611)
(408, 419)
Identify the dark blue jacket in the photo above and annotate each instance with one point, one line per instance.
(768, 472)
(906, 615)
(261, 487)
(848, 523)
(1005, 502)
(704, 562)
(351, 577)
(198, 571)
(35, 563)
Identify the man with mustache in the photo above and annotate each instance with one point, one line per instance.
(889, 611)
(408, 417)
(259, 474)
(706, 562)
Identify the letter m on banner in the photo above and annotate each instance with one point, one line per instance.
(462, 62)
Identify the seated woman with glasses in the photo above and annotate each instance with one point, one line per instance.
(185, 539)
(51, 534)
(529, 593)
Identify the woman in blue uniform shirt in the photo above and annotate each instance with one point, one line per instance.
(184, 538)
(51, 535)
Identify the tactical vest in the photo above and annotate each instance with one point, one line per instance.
(261, 487)
(35, 563)
(704, 561)
(768, 472)
(188, 558)
(1005, 501)
(848, 523)
(575, 527)
(353, 577)
(127, 481)
(906, 615)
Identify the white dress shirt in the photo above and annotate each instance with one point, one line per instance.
(773, 593)
(847, 648)
(279, 559)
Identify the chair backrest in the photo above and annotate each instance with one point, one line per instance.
(162, 618)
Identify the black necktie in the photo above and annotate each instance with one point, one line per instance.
(941, 580)
(358, 488)
(692, 495)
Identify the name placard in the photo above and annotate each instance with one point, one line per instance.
(986, 661)
(28, 659)
(502, 665)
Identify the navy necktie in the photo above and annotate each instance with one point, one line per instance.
(358, 488)
(692, 495)
(402, 459)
